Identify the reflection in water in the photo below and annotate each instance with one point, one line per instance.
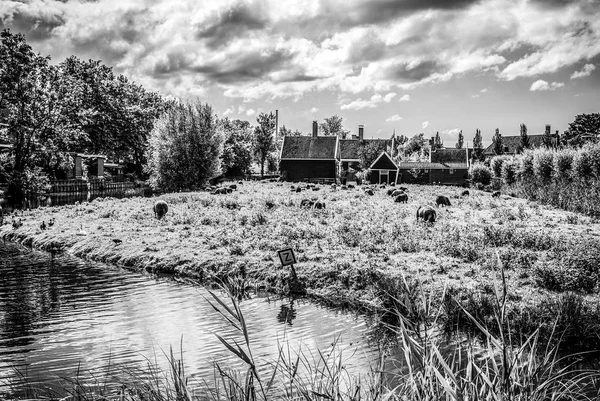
(64, 316)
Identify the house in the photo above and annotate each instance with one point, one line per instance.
(309, 157)
(512, 144)
(445, 166)
(383, 170)
(350, 150)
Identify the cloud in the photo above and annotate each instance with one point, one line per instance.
(425, 124)
(404, 98)
(484, 90)
(585, 72)
(541, 85)
(395, 117)
(250, 112)
(359, 104)
(228, 111)
(475, 96)
(450, 132)
(314, 109)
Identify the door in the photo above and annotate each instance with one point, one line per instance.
(384, 176)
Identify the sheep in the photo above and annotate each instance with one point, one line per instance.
(298, 189)
(160, 209)
(350, 186)
(442, 200)
(403, 188)
(369, 192)
(233, 186)
(319, 205)
(397, 192)
(307, 203)
(402, 198)
(465, 193)
(427, 213)
(390, 192)
(496, 194)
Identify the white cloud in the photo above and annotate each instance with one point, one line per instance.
(388, 98)
(314, 109)
(250, 112)
(395, 117)
(541, 85)
(475, 96)
(451, 132)
(359, 103)
(585, 72)
(228, 111)
(404, 98)
(484, 90)
(425, 124)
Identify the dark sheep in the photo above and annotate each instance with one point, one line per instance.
(233, 186)
(403, 188)
(298, 189)
(240, 182)
(382, 186)
(315, 188)
(344, 187)
(465, 193)
(402, 198)
(350, 186)
(319, 205)
(160, 209)
(390, 192)
(496, 194)
(427, 213)
(397, 192)
(306, 203)
(369, 192)
(442, 200)
(220, 191)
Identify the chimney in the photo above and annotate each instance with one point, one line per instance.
(315, 129)
(361, 132)
(548, 128)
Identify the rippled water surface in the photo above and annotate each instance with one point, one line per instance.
(64, 316)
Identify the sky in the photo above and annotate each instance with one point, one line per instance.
(404, 66)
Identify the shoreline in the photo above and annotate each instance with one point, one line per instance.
(363, 252)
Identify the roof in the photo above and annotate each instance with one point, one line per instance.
(309, 147)
(432, 166)
(349, 148)
(513, 142)
(448, 156)
(384, 161)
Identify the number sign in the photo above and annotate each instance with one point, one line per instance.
(287, 257)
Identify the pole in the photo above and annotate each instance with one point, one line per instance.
(276, 124)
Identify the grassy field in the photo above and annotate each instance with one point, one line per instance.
(361, 250)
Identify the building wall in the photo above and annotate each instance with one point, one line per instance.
(298, 170)
(444, 177)
(407, 178)
(374, 177)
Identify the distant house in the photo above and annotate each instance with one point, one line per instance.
(383, 170)
(309, 157)
(512, 143)
(445, 166)
(350, 149)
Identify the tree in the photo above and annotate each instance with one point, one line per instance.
(237, 148)
(284, 131)
(524, 143)
(333, 126)
(478, 146)
(185, 147)
(461, 140)
(582, 129)
(498, 147)
(416, 146)
(368, 152)
(264, 142)
(437, 142)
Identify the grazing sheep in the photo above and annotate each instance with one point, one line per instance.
(160, 209)
(427, 213)
(390, 192)
(397, 192)
(315, 188)
(344, 187)
(233, 186)
(369, 191)
(496, 194)
(465, 193)
(319, 205)
(298, 189)
(350, 186)
(403, 188)
(382, 186)
(402, 198)
(220, 191)
(306, 203)
(240, 182)
(442, 200)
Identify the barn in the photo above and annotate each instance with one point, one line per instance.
(350, 149)
(309, 158)
(445, 166)
(383, 170)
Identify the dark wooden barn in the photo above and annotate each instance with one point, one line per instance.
(308, 157)
(350, 151)
(383, 170)
(445, 167)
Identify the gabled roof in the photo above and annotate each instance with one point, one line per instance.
(350, 148)
(309, 147)
(513, 142)
(383, 161)
(449, 155)
(432, 166)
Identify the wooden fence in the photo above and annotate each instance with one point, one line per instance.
(66, 192)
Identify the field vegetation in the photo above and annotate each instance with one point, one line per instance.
(359, 250)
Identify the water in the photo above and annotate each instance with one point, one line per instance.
(64, 316)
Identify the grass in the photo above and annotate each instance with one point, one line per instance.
(357, 251)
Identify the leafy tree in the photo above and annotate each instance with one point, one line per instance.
(524, 142)
(333, 126)
(461, 140)
(284, 131)
(264, 142)
(437, 142)
(416, 145)
(478, 146)
(185, 147)
(237, 149)
(498, 147)
(584, 124)
(368, 152)
(547, 138)
(36, 100)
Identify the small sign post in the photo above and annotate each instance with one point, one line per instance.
(287, 258)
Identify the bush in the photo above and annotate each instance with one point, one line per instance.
(543, 163)
(582, 164)
(563, 163)
(509, 171)
(480, 174)
(525, 171)
(496, 164)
